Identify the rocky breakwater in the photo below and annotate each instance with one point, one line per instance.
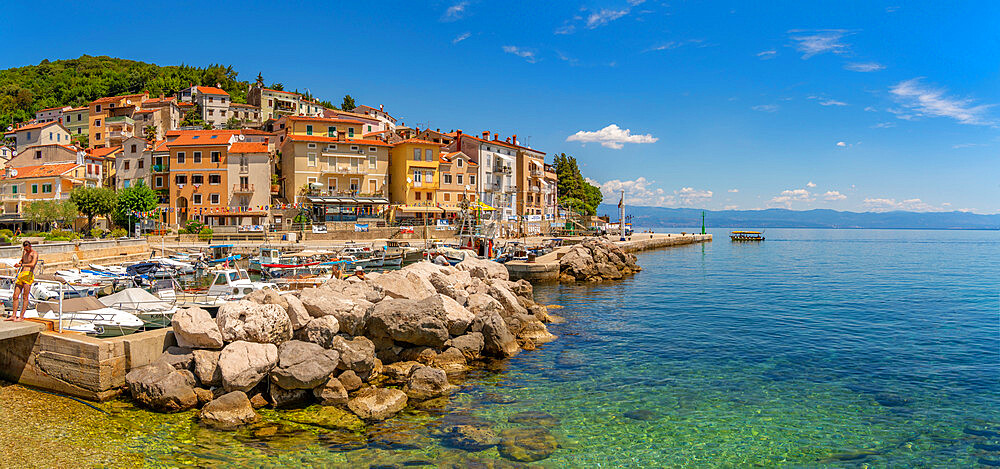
(361, 350)
(596, 259)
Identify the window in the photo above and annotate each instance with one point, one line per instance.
(133, 148)
(372, 186)
(216, 157)
(159, 181)
(211, 112)
(126, 183)
(459, 179)
(196, 156)
(270, 103)
(416, 196)
(214, 199)
(350, 132)
(354, 148)
(13, 189)
(97, 123)
(180, 157)
(331, 131)
(372, 162)
(309, 130)
(211, 99)
(140, 164)
(125, 167)
(447, 197)
(38, 154)
(447, 179)
(417, 176)
(46, 188)
(197, 179)
(331, 147)
(369, 128)
(311, 145)
(372, 149)
(472, 179)
(416, 154)
(34, 188)
(429, 177)
(355, 185)
(458, 162)
(181, 179)
(97, 136)
(50, 135)
(196, 199)
(429, 155)
(311, 159)
(214, 179)
(98, 108)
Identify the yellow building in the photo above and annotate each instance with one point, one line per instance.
(413, 179)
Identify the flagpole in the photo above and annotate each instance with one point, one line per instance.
(621, 216)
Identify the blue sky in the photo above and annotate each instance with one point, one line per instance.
(843, 105)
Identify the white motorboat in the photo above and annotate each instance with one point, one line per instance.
(153, 311)
(89, 315)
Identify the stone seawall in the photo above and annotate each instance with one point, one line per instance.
(643, 242)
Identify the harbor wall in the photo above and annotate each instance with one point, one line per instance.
(78, 365)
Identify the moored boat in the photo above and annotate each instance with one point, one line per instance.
(746, 236)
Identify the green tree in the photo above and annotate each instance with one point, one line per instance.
(94, 201)
(234, 123)
(573, 189)
(193, 117)
(150, 131)
(348, 104)
(277, 86)
(137, 198)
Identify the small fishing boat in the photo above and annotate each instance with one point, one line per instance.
(235, 284)
(221, 253)
(267, 255)
(403, 250)
(746, 236)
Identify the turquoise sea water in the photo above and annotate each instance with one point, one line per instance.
(815, 348)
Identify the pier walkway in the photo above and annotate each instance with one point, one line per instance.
(11, 329)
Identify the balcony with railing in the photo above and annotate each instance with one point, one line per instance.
(535, 173)
(243, 188)
(161, 168)
(350, 170)
(113, 121)
(535, 189)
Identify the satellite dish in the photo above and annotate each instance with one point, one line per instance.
(243, 137)
(13, 172)
(466, 187)
(409, 181)
(10, 127)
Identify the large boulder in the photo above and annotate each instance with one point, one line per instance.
(320, 330)
(497, 339)
(350, 380)
(578, 263)
(397, 373)
(357, 354)
(267, 296)
(303, 365)
(481, 303)
(297, 314)
(244, 364)
(471, 344)
(426, 382)
(530, 327)
(180, 358)
(160, 387)
(229, 411)
(483, 269)
(410, 321)
(356, 289)
(332, 392)
(404, 285)
(507, 299)
(206, 367)
(456, 316)
(253, 322)
(377, 403)
(451, 360)
(350, 311)
(282, 397)
(195, 328)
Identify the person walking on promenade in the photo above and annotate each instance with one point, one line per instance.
(23, 281)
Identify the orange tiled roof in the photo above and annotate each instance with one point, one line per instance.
(202, 137)
(44, 170)
(377, 132)
(418, 141)
(112, 99)
(103, 152)
(255, 132)
(160, 145)
(35, 125)
(248, 147)
(211, 90)
(52, 108)
(321, 139)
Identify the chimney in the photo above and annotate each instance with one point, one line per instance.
(161, 96)
(486, 135)
(514, 139)
(508, 140)
(381, 108)
(496, 136)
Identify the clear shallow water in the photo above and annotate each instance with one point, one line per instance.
(836, 348)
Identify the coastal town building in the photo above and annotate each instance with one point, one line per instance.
(105, 157)
(133, 164)
(247, 114)
(367, 123)
(276, 103)
(249, 173)
(388, 122)
(42, 154)
(38, 133)
(457, 184)
(199, 176)
(529, 170)
(163, 114)
(110, 119)
(413, 180)
(6, 153)
(76, 121)
(53, 181)
(51, 114)
(496, 160)
(213, 102)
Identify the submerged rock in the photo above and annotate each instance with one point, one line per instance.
(641, 414)
(534, 417)
(469, 437)
(160, 387)
(377, 403)
(886, 399)
(527, 444)
(331, 418)
(228, 412)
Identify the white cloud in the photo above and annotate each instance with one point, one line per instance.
(767, 54)
(604, 16)
(928, 101)
(566, 29)
(834, 195)
(523, 53)
(643, 192)
(870, 109)
(814, 42)
(832, 102)
(461, 37)
(455, 12)
(792, 195)
(910, 205)
(636, 2)
(765, 107)
(731, 207)
(966, 145)
(864, 66)
(810, 184)
(841, 144)
(884, 125)
(733, 191)
(611, 136)
(673, 45)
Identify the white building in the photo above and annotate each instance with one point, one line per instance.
(388, 122)
(214, 103)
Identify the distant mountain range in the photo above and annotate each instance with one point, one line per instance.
(651, 217)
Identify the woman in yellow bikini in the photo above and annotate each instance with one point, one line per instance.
(25, 277)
